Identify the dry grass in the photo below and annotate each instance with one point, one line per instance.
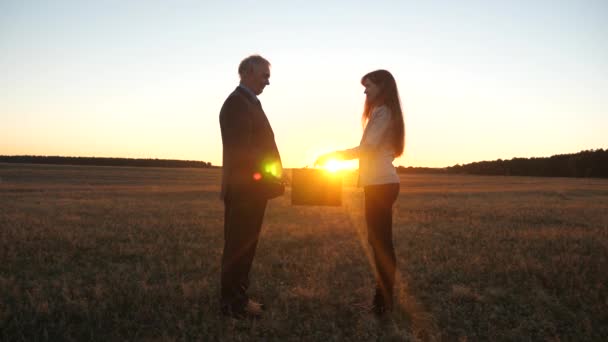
(107, 253)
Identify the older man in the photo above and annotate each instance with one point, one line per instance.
(251, 169)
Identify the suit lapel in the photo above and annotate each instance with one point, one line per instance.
(252, 99)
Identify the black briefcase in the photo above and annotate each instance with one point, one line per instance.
(316, 187)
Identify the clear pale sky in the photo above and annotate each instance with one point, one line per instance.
(479, 80)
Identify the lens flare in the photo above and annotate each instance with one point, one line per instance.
(272, 168)
(333, 165)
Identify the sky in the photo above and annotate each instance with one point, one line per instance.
(478, 80)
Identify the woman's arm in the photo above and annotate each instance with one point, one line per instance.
(372, 137)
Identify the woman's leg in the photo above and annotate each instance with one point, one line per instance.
(379, 200)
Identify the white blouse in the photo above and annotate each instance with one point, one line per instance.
(375, 152)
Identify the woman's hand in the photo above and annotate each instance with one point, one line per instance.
(323, 159)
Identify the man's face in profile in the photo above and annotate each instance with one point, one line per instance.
(259, 78)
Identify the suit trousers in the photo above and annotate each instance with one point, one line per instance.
(243, 216)
(379, 200)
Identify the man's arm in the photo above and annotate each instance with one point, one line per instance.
(236, 126)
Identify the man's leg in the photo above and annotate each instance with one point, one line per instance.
(242, 225)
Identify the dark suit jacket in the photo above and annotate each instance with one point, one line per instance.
(248, 142)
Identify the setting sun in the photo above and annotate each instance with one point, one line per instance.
(334, 165)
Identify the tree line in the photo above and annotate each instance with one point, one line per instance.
(57, 160)
(589, 163)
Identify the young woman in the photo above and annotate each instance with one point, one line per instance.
(383, 140)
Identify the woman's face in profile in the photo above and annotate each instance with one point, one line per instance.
(371, 90)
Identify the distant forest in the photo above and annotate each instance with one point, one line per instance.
(591, 163)
(105, 161)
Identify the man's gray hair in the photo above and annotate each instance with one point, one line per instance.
(248, 63)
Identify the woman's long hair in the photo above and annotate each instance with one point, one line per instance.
(388, 96)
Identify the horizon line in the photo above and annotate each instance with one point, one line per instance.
(211, 164)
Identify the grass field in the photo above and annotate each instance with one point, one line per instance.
(110, 253)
